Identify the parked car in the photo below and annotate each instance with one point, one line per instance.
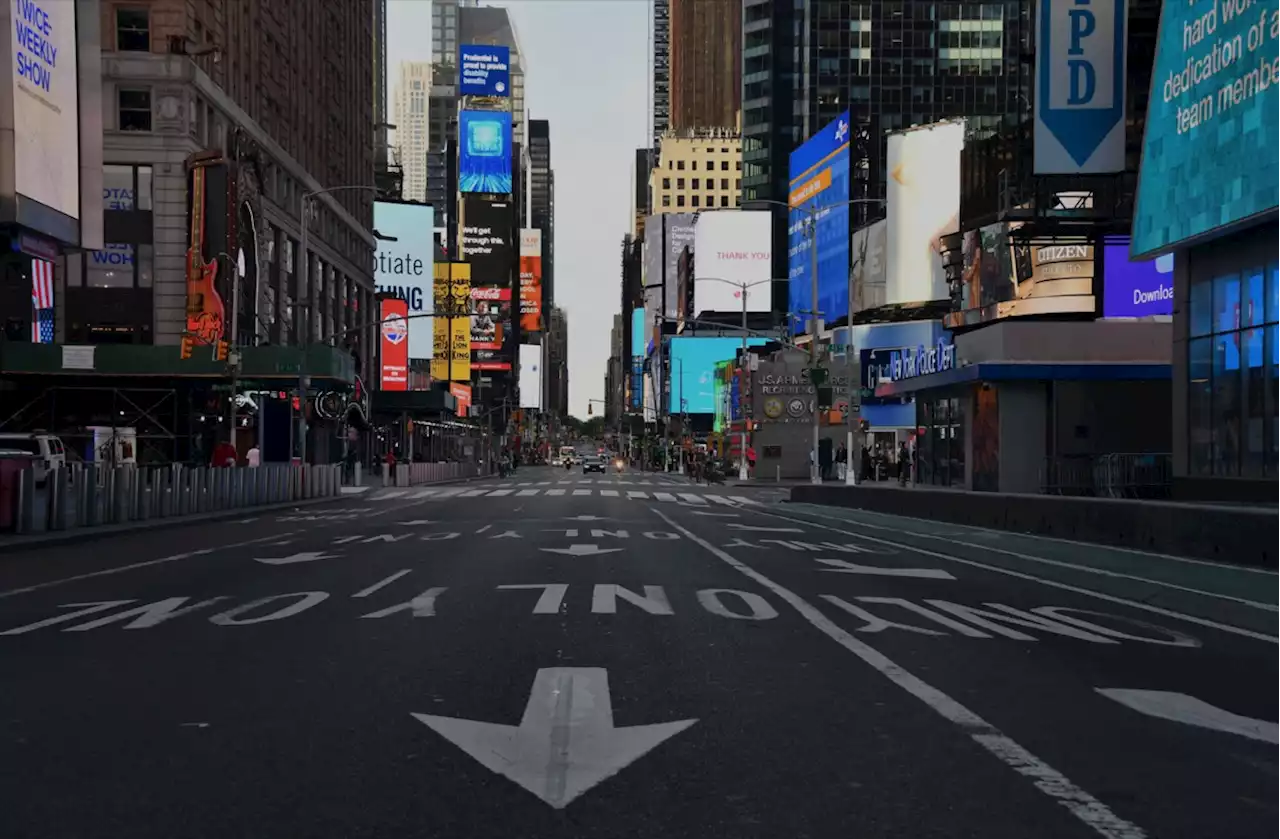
(46, 448)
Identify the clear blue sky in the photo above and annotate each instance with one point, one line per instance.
(587, 72)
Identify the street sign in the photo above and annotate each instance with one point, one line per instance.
(566, 742)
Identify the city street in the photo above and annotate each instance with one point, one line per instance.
(564, 655)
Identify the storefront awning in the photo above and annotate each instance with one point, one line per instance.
(1010, 371)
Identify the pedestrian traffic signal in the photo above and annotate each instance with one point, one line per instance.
(220, 352)
(187, 346)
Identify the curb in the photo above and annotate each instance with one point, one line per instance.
(85, 534)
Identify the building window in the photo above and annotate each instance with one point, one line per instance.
(695, 200)
(666, 200)
(679, 200)
(134, 110)
(697, 183)
(133, 30)
(666, 183)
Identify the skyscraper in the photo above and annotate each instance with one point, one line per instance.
(413, 84)
(706, 63)
(541, 201)
(661, 68)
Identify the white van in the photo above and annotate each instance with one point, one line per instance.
(47, 447)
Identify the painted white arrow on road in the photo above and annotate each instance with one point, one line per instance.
(1178, 707)
(581, 550)
(839, 566)
(587, 518)
(309, 556)
(757, 529)
(566, 742)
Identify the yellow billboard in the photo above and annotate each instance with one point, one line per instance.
(451, 293)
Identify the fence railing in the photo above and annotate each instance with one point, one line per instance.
(413, 474)
(92, 496)
(1116, 475)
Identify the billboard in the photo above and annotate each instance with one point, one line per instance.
(1135, 289)
(530, 280)
(490, 317)
(665, 237)
(1209, 154)
(693, 371)
(487, 232)
(394, 344)
(462, 393)
(734, 248)
(923, 206)
(46, 104)
(868, 249)
(451, 293)
(1080, 86)
(819, 173)
(484, 152)
(638, 342)
(403, 267)
(484, 70)
(531, 376)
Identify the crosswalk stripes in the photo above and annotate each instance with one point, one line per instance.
(692, 499)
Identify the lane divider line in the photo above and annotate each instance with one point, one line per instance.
(1089, 810)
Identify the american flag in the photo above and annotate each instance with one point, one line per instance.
(41, 302)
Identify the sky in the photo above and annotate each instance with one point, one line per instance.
(586, 68)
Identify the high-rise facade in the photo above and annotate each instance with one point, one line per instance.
(557, 370)
(699, 170)
(661, 74)
(541, 203)
(706, 63)
(412, 89)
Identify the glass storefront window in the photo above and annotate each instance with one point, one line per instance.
(1225, 416)
(1199, 400)
(940, 451)
(1201, 320)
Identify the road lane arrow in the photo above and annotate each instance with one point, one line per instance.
(309, 556)
(581, 550)
(414, 523)
(1179, 707)
(839, 566)
(587, 518)
(566, 742)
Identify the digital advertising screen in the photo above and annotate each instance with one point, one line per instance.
(451, 335)
(531, 376)
(922, 206)
(530, 280)
(487, 231)
(394, 344)
(638, 343)
(820, 178)
(734, 250)
(484, 152)
(403, 267)
(693, 370)
(1135, 289)
(490, 317)
(46, 104)
(484, 70)
(1209, 152)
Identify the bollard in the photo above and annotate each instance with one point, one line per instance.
(24, 501)
(58, 499)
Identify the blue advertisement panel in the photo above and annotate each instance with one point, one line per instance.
(876, 345)
(484, 152)
(820, 179)
(1209, 154)
(637, 358)
(693, 371)
(484, 70)
(1132, 289)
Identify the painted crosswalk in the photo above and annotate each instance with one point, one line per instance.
(695, 499)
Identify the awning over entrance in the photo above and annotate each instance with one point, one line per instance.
(995, 371)
(415, 403)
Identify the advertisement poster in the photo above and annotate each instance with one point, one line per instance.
(403, 268)
(530, 281)
(114, 446)
(1209, 158)
(530, 376)
(819, 185)
(451, 294)
(487, 231)
(693, 369)
(923, 205)
(46, 106)
(1135, 289)
(484, 70)
(394, 314)
(484, 152)
(205, 308)
(490, 314)
(462, 393)
(734, 250)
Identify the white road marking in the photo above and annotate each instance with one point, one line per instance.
(1133, 604)
(582, 492)
(1048, 780)
(391, 493)
(692, 499)
(950, 539)
(609, 493)
(664, 496)
(423, 493)
(525, 493)
(635, 493)
(839, 566)
(498, 493)
(365, 592)
(147, 564)
(720, 499)
(555, 492)
(474, 493)
(758, 529)
(1178, 707)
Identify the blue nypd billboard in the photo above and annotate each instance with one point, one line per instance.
(1080, 86)
(484, 70)
(819, 190)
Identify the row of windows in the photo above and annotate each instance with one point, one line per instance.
(696, 183)
(709, 165)
(697, 201)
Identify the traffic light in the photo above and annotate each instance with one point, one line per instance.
(591, 409)
(187, 346)
(864, 425)
(220, 352)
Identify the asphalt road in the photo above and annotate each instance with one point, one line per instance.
(558, 655)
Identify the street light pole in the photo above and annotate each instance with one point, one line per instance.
(815, 476)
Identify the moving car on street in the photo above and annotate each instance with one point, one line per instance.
(595, 463)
